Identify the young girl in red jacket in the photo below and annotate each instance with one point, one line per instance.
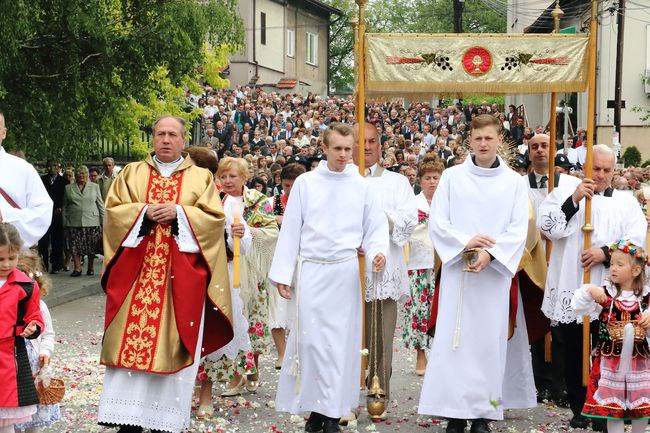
(20, 318)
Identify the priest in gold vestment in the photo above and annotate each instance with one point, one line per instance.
(167, 290)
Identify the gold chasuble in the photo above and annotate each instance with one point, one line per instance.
(156, 294)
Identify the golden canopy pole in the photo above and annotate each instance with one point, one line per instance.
(557, 13)
(587, 229)
(359, 111)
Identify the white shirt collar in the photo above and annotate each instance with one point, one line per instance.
(373, 169)
(167, 168)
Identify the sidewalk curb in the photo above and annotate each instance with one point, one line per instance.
(65, 296)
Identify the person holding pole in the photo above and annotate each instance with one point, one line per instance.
(615, 215)
(331, 212)
(398, 204)
(549, 378)
(465, 373)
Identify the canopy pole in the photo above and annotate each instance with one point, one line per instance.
(587, 229)
(557, 14)
(359, 111)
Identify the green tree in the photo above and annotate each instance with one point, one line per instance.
(631, 157)
(404, 16)
(74, 70)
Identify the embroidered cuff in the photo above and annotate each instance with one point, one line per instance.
(569, 208)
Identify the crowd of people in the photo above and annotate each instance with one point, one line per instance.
(274, 187)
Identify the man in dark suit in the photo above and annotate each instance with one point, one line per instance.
(288, 132)
(222, 133)
(50, 247)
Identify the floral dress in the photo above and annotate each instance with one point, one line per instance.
(421, 282)
(258, 214)
(612, 393)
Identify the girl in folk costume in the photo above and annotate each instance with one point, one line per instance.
(421, 268)
(39, 350)
(258, 215)
(20, 318)
(619, 386)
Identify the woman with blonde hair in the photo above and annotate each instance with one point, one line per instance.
(257, 212)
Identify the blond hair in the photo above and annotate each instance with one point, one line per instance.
(31, 264)
(238, 164)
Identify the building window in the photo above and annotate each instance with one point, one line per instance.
(263, 28)
(291, 44)
(312, 49)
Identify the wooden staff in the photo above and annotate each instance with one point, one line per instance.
(587, 229)
(557, 13)
(359, 111)
(646, 197)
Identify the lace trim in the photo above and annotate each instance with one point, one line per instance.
(392, 285)
(185, 238)
(557, 307)
(553, 222)
(115, 408)
(132, 240)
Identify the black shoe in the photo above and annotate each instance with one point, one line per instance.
(315, 423)
(456, 425)
(129, 429)
(160, 431)
(93, 273)
(561, 400)
(579, 421)
(331, 425)
(54, 271)
(543, 395)
(480, 426)
(598, 424)
(75, 274)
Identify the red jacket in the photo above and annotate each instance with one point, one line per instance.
(19, 305)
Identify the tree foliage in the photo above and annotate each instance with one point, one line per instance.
(631, 157)
(402, 16)
(74, 70)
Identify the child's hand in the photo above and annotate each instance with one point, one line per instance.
(29, 329)
(598, 293)
(644, 322)
(44, 360)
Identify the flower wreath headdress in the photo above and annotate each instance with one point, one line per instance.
(629, 248)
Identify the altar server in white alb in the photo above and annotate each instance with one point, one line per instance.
(24, 202)
(398, 204)
(480, 204)
(332, 211)
(614, 215)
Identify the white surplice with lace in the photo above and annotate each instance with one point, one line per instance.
(613, 218)
(398, 203)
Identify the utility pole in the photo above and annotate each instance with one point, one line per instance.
(458, 16)
(619, 67)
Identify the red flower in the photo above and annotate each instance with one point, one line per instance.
(414, 325)
(258, 325)
(423, 328)
(423, 298)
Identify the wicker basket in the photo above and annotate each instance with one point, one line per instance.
(52, 394)
(617, 330)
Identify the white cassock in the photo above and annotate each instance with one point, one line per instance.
(155, 401)
(328, 216)
(467, 383)
(397, 200)
(21, 182)
(613, 218)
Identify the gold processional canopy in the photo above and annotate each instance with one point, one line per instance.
(419, 65)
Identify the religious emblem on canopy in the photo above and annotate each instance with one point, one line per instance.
(477, 61)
